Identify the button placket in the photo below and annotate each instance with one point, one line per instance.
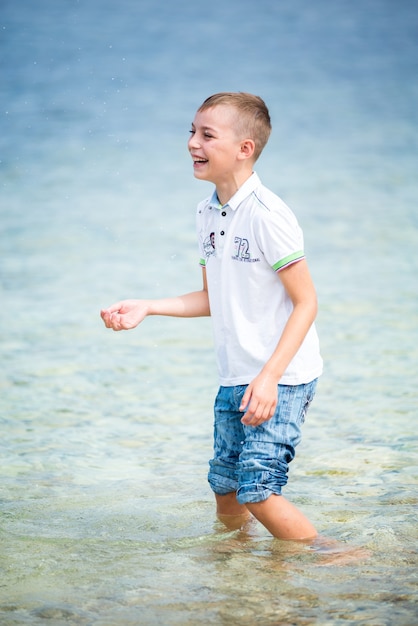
(222, 224)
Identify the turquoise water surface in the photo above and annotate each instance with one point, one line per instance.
(106, 515)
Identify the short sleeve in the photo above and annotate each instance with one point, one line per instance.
(279, 236)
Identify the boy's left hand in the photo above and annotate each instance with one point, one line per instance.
(260, 400)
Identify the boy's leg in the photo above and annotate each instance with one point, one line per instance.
(264, 462)
(232, 514)
(228, 504)
(282, 519)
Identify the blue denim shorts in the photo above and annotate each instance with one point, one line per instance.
(253, 461)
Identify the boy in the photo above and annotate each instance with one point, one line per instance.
(259, 293)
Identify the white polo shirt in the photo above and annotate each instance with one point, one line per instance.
(243, 245)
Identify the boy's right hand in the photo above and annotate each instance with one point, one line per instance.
(125, 315)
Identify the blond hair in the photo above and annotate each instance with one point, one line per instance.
(253, 118)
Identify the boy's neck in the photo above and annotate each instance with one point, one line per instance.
(226, 190)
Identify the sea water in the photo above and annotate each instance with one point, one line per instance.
(106, 514)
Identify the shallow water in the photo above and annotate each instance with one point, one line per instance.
(106, 514)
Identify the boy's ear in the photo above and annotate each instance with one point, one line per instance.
(247, 149)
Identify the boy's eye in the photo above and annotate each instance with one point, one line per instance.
(205, 133)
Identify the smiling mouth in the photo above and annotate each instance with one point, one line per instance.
(199, 161)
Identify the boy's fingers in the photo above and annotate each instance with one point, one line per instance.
(245, 400)
(111, 320)
(105, 315)
(249, 415)
(258, 414)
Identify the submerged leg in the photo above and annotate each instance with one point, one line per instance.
(232, 514)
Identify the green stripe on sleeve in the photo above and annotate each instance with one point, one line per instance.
(296, 256)
(202, 262)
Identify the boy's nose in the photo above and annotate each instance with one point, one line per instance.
(192, 143)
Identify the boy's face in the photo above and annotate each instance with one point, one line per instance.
(214, 145)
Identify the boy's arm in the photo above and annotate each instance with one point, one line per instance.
(127, 314)
(260, 399)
